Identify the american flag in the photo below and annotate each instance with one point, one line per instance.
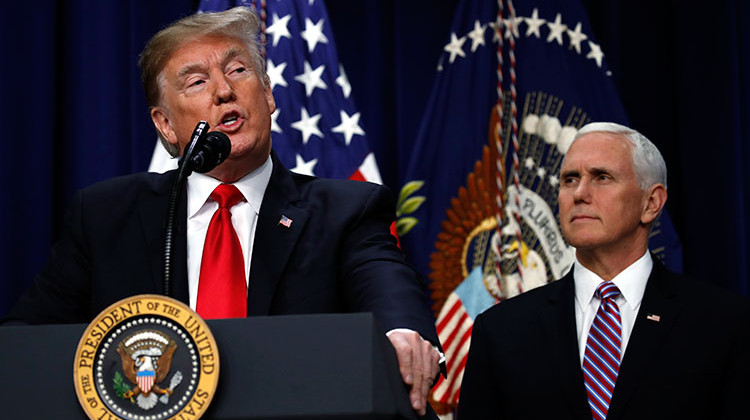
(316, 129)
(454, 325)
(285, 221)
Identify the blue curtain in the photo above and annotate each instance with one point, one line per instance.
(73, 111)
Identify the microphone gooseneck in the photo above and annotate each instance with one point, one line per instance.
(204, 152)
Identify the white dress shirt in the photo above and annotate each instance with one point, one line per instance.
(632, 284)
(244, 218)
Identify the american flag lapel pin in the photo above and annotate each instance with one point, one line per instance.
(652, 317)
(285, 221)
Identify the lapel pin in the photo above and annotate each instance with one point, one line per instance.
(285, 221)
(652, 317)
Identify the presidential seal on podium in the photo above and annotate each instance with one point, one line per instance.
(147, 357)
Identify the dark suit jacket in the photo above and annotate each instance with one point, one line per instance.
(337, 255)
(693, 364)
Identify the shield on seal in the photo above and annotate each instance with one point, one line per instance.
(146, 380)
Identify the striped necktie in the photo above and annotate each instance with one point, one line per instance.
(601, 360)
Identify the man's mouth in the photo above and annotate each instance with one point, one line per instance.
(229, 120)
(581, 217)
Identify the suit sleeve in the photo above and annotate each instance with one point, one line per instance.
(479, 388)
(61, 292)
(377, 277)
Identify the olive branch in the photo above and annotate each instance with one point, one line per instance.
(119, 386)
(407, 205)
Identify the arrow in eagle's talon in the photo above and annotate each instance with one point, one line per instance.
(176, 379)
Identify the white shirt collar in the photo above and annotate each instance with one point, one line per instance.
(252, 186)
(631, 282)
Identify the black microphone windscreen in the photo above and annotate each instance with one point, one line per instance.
(211, 152)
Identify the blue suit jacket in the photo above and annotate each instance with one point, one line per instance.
(337, 255)
(692, 364)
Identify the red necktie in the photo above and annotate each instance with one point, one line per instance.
(601, 360)
(222, 291)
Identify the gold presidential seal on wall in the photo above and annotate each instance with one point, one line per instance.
(147, 357)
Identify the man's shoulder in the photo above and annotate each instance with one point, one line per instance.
(313, 182)
(338, 189)
(132, 184)
(700, 294)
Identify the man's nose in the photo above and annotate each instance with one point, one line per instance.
(223, 91)
(582, 191)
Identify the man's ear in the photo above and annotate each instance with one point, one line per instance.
(161, 121)
(656, 198)
(269, 99)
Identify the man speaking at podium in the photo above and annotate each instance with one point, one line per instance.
(252, 237)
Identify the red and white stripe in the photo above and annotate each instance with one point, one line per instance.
(454, 328)
(601, 359)
(146, 382)
(368, 171)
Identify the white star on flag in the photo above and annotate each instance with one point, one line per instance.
(313, 34)
(307, 125)
(533, 24)
(497, 27)
(511, 26)
(477, 36)
(596, 54)
(274, 125)
(455, 47)
(349, 126)
(312, 78)
(556, 30)
(275, 73)
(576, 37)
(343, 81)
(304, 168)
(279, 29)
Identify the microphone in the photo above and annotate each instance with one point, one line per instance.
(206, 150)
(211, 152)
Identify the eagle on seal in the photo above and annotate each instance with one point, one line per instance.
(146, 361)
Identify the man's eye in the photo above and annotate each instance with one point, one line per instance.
(239, 70)
(197, 82)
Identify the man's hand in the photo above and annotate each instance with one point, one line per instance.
(418, 363)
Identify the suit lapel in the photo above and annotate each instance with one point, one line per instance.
(152, 211)
(559, 326)
(660, 298)
(274, 240)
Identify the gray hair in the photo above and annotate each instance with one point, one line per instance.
(648, 162)
(240, 23)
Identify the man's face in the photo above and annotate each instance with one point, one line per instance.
(213, 79)
(601, 202)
